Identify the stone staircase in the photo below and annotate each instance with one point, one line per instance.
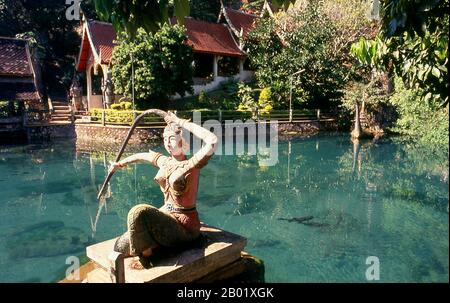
(61, 113)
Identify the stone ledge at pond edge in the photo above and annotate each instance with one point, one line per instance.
(116, 134)
(98, 134)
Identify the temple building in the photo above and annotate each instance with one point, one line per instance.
(19, 81)
(217, 47)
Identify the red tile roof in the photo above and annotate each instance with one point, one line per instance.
(239, 20)
(204, 37)
(14, 59)
(210, 38)
(18, 91)
(103, 36)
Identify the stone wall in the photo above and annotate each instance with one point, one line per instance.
(115, 134)
(307, 127)
(50, 132)
(98, 137)
(91, 135)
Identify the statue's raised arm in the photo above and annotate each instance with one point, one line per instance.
(177, 221)
(202, 156)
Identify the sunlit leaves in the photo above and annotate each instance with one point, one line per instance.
(130, 15)
(414, 42)
(281, 4)
(366, 51)
(307, 46)
(181, 9)
(411, 16)
(420, 119)
(162, 66)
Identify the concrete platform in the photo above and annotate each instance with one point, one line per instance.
(219, 249)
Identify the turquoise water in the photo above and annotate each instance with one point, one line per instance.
(386, 199)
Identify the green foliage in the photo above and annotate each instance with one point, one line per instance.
(113, 115)
(126, 105)
(265, 100)
(366, 52)
(162, 66)
(251, 101)
(350, 19)
(201, 97)
(306, 47)
(225, 98)
(426, 123)
(247, 97)
(253, 7)
(116, 106)
(3, 109)
(209, 10)
(9, 109)
(121, 116)
(281, 4)
(266, 56)
(415, 34)
(414, 17)
(205, 10)
(122, 106)
(131, 15)
(373, 95)
(373, 100)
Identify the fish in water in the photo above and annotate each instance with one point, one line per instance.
(316, 224)
(306, 221)
(331, 220)
(298, 220)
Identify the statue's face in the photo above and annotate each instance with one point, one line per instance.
(173, 145)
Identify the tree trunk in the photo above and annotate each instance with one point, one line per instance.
(357, 132)
(356, 149)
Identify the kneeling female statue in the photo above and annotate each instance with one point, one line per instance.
(177, 221)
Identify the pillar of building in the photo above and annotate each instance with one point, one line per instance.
(89, 85)
(241, 68)
(216, 67)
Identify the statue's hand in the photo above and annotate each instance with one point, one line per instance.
(171, 118)
(115, 167)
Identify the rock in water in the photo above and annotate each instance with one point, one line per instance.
(46, 239)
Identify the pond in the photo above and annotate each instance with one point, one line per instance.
(385, 199)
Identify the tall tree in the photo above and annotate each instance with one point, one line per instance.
(162, 66)
(301, 57)
(415, 36)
